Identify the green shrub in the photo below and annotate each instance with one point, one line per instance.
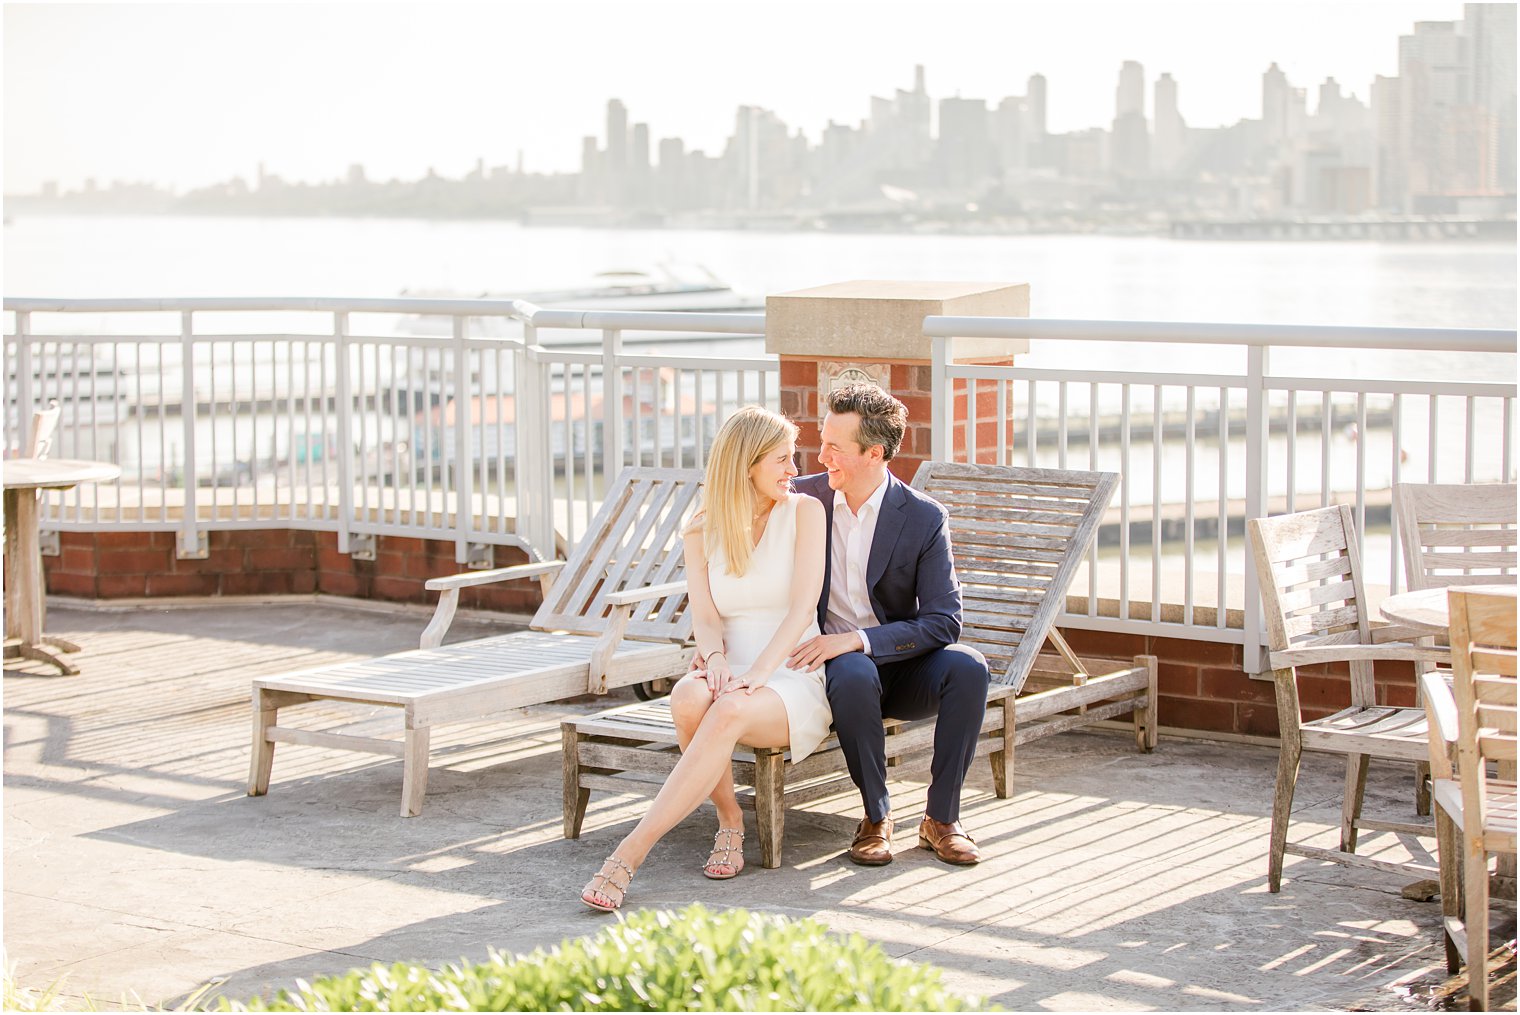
(694, 960)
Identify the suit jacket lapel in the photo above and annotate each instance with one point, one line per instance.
(889, 526)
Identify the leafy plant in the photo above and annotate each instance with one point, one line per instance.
(693, 960)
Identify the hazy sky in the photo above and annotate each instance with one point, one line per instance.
(188, 94)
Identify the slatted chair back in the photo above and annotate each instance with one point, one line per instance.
(1483, 683)
(44, 425)
(634, 541)
(1019, 536)
(1314, 598)
(1456, 533)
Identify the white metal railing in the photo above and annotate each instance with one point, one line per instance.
(490, 422)
(349, 416)
(1201, 451)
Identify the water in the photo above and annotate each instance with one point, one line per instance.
(1126, 278)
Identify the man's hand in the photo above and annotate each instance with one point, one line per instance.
(814, 652)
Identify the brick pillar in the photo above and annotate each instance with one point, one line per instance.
(873, 331)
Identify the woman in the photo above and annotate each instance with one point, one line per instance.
(754, 571)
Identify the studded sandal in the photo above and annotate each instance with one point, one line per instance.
(723, 844)
(598, 897)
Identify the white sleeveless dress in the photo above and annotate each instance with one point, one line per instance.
(752, 608)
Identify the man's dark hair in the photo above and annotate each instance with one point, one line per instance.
(883, 419)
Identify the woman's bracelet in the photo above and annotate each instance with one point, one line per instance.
(719, 652)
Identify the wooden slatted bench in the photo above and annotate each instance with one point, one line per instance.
(614, 615)
(1019, 536)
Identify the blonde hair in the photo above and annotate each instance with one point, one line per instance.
(729, 497)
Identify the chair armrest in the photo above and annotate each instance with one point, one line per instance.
(630, 596)
(448, 602)
(1396, 652)
(622, 604)
(1384, 633)
(1441, 719)
(468, 579)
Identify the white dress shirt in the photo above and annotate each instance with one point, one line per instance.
(849, 606)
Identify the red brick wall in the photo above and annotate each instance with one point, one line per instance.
(1201, 684)
(799, 403)
(910, 382)
(122, 565)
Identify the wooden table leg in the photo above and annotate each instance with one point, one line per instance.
(24, 587)
(13, 570)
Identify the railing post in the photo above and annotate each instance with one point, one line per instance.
(190, 537)
(1257, 359)
(535, 451)
(343, 398)
(942, 400)
(464, 473)
(189, 523)
(612, 407)
(26, 398)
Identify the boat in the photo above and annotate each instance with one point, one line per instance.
(675, 288)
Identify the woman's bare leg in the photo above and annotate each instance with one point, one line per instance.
(689, 701)
(758, 719)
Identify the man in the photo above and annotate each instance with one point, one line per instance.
(891, 612)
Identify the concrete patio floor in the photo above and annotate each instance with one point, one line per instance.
(135, 864)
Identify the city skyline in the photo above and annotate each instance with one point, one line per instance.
(168, 134)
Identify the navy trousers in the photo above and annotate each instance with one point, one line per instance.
(949, 682)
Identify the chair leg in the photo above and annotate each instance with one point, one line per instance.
(770, 799)
(1287, 775)
(576, 796)
(1145, 718)
(1002, 758)
(1449, 855)
(261, 759)
(1475, 874)
(1351, 803)
(1422, 787)
(414, 770)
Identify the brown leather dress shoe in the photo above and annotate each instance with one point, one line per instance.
(949, 842)
(873, 843)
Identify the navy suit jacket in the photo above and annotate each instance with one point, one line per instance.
(911, 574)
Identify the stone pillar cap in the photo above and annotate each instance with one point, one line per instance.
(881, 319)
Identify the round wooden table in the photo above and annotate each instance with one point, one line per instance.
(24, 584)
(1426, 610)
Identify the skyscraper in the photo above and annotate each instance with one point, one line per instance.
(1491, 29)
(1131, 142)
(1034, 105)
(638, 191)
(1129, 97)
(1274, 104)
(617, 134)
(1170, 137)
(614, 162)
(965, 142)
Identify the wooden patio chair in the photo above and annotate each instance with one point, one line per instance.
(1310, 574)
(44, 425)
(1456, 533)
(1019, 536)
(614, 616)
(1473, 723)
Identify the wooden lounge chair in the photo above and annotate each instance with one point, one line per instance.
(1019, 536)
(1472, 723)
(615, 615)
(1310, 574)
